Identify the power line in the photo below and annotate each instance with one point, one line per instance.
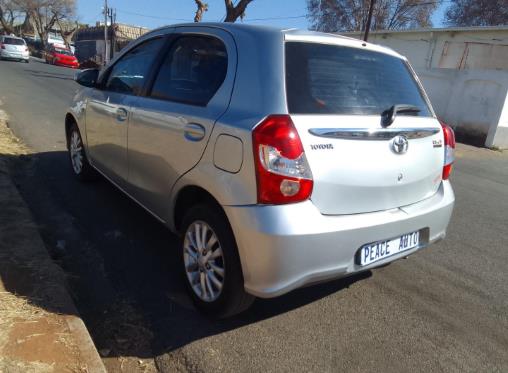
(257, 19)
(94, 18)
(153, 16)
(189, 20)
(273, 18)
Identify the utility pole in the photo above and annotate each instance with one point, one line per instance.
(112, 21)
(369, 19)
(106, 49)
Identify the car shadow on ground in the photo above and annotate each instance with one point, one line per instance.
(44, 74)
(123, 266)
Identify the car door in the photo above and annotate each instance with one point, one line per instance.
(109, 106)
(171, 124)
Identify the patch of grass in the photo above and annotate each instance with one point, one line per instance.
(495, 148)
(9, 144)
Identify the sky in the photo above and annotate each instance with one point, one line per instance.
(155, 13)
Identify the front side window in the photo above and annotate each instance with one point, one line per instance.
(193, 71)
(129, 74)
(330, 79)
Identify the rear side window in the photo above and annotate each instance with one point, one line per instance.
(129, 74)
(331, 79)
(193, 71)
(13, 41)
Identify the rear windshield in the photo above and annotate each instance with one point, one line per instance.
(329, 79)
(14, 41)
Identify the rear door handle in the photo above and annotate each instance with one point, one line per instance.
(121, 115)
(194, 132)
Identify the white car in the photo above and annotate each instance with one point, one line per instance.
(282, 158)
(14, 48)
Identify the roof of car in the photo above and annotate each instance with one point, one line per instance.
(289, 33)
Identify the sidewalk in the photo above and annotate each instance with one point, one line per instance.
(40, 328)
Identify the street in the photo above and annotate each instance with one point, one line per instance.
(442, 309)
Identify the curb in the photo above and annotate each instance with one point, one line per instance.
(86, 347)
(22, 246)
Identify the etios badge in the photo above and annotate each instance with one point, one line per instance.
(400, 144)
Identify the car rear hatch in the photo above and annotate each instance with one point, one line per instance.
(361, 162)
(14, 45)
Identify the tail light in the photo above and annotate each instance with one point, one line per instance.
(2, 46)
(449, 146)
(282, 171)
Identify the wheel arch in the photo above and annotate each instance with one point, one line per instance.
(192, 195)
(69, 121)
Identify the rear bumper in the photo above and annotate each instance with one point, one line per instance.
(285, 247)
(14, 55)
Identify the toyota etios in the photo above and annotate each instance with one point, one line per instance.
(282, 158)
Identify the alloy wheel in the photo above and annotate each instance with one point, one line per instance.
(76, 152)
(204, 261)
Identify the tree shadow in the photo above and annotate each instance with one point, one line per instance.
(123, 266)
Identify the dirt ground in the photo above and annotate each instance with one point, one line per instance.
(35, 325)
(34, 328)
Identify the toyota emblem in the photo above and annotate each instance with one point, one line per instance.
(400, 144)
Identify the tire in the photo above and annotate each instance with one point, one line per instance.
(229, 299)
(78, 159)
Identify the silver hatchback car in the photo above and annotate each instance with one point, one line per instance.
(282, 158)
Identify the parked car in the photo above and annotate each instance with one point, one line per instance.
(61, 56)
(35, 47)
(14, 48)
(282, 158)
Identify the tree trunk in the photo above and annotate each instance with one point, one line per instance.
(43, 29)
(66, 34)
(27, 27)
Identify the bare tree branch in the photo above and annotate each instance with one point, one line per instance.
(8, 10)
(234, 12)
(477, 13)
(66, 32)
(351, 15)
(202, 7)
(45, 13)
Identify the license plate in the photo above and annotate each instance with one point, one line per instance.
(376, 251)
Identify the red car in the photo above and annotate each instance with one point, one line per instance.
(61, 56)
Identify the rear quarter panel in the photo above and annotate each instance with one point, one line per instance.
(259, 91)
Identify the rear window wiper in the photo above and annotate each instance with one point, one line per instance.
(388, 116)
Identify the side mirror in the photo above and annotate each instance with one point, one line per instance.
(87, 78)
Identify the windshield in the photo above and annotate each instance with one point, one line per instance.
(323, 78)
(13, 41)
(63, 51)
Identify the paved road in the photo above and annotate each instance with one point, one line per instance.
(443, 309)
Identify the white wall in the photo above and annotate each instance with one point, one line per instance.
(474, 102)
(499, 136)
(481, 48)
